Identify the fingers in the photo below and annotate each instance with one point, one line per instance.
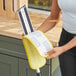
(52, 56)
(49, 54)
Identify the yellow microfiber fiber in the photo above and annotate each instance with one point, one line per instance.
(36, 45)
(35, 60)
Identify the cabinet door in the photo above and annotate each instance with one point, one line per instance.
(45, 71)
(8, 65)
(25, 70)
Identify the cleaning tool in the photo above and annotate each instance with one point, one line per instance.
(36, 44)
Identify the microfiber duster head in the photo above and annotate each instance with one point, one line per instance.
(34, 58)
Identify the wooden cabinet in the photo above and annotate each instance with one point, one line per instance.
(8, 65)
(13, 60)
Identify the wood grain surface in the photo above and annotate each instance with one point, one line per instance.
(12, 28)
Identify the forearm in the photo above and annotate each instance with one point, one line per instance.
(69, 45)
(46, 25)
(55, 14)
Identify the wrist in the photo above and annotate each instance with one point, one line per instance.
(69, 45)
(64, 48)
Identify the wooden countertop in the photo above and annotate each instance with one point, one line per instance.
(12, 28)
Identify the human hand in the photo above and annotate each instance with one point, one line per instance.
(55, 52)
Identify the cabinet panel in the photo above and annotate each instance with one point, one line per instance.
(45, 71)
(22, 67)
(25, 70)
(8, 66)
(12, 46)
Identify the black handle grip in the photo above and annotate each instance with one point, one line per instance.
(38, 74)
(25, 20)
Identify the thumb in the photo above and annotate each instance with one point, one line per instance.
(51, 56)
